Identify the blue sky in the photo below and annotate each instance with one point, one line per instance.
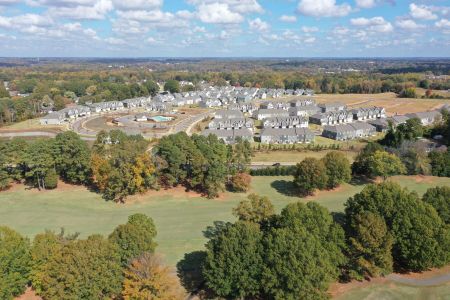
(225, 28)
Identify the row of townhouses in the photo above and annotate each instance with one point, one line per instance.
(240, 98)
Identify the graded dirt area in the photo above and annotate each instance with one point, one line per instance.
(390, 101)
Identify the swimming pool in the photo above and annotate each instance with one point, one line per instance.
(160, 119)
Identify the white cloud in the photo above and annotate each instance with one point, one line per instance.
(218, 13)
(115, 41)
(307, 29)
(341, 31)
(443, 23)
(408, 24)
(137, 4)
(9, 2)
(96, 11)
(239, 6)
(288, 19)
(421, 12)
(365, 3)
(323, 8)
(378, 24)
(310, 40)
(152, 16)
(258, 25)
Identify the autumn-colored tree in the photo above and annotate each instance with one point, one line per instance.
(254, 209)
(147, 278)
(241, 182)
(100, 171)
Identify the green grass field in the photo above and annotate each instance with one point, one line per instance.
(393, 291)
(295, 156)
(180, 220)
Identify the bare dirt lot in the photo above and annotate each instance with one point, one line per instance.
(390, 101)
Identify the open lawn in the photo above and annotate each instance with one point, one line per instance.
(32, 124)
(180, 217)
(395, 291)
(294, 156)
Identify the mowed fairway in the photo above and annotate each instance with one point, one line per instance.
(180, 217)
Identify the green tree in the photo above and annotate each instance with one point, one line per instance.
(370, 246)
(51, 179)
(303, 251)
(420, 237)
(73, 158)
(384, 164)
(152, 87)
(38, 160)
(439, 198)
(14, 263)
(3, 92)
(172, 86)
(361, 163)
(338, 169)
(234, 261)
(190, 271)
(408, 93)
(134, 238)
(310, 175)
(255, 209)
(440, 163)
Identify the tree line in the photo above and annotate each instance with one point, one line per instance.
(118, 165)
(63, 266)
(296, 254)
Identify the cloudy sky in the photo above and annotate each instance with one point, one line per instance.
(222, 28)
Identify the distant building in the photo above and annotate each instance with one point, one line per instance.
(368, 113)
(286, 122)
(231, 123)
(230, 136)
(332, 106)
(427, 117)
(286, 135)
(331, 118)
(228, 114)
(262, 114)
(344, 132)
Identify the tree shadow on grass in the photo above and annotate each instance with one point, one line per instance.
(360, 180)
(286, 188)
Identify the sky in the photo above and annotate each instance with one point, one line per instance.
(225, 28)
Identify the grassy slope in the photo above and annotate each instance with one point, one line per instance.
(180, 220)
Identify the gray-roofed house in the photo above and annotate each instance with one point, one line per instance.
(344, 132)
(274, 105)
(230, 136)
(231, 123)
(286, 135)
(243, 107)
(368, 113)
(302, 102)
(53, 118)
(426, 117)
(398, 119)
(331, 118)
(381, 125)
(286, 122)
(228, 114)
(332, 106)
(306, 110)
(262, 114)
